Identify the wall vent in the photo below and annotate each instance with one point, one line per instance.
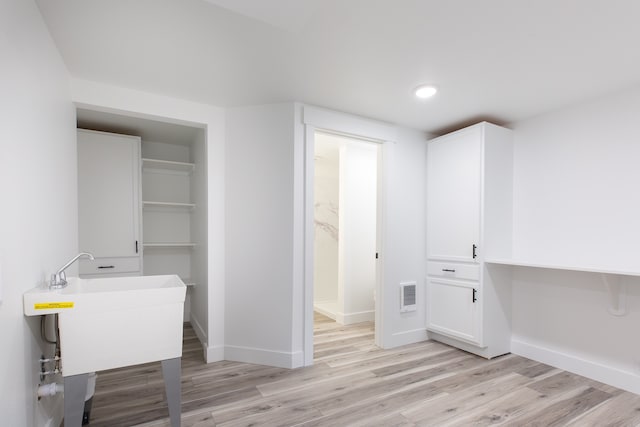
(408, 296)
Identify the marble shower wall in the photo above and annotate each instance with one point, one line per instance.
(326, 202)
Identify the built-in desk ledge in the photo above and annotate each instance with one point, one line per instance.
(611, 279)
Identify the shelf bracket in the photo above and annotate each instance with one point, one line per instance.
(617, 293)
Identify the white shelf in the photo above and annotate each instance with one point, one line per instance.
(590, 269)
(168, 244)
(167, 165)
(151, 204)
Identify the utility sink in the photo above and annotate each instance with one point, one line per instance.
(108, 323)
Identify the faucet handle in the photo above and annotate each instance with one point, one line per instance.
(58, 280)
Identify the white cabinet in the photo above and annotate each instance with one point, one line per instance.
(456, 312)
(469, 193)
(454, 168)
(109, 202)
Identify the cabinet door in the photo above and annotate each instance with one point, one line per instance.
(108, 193)
(453, 309)
(453, 195)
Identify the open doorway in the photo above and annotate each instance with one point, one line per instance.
(345, 209)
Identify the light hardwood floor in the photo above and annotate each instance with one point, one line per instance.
(353, 383)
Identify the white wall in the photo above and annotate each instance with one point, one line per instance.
(576, 201)
(102, 97)
(404, 257)
(199, 225)
(38, 184)
(576, 184)
(357, 230)
(259, 237)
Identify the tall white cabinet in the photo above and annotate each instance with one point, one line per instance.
(469, 195)
(109, 203)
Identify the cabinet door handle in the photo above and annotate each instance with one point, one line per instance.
(106, 266)
(136, 246)
(474, 247)
(473, 295)
(449, 270)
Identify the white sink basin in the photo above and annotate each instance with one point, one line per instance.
(112, 322)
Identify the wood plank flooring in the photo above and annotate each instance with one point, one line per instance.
(354, 383)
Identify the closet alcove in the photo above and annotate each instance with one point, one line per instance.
(171, 203)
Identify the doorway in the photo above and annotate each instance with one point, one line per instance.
(345, 218)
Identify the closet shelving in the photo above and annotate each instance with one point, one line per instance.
(166, 201)
(167, 209)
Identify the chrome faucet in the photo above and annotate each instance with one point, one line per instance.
(59, 279)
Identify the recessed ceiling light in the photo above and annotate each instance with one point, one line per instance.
(425, 91)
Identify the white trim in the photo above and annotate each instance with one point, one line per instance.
(333, 121)
(346, 318)
(319, 309)
(211, 354)
(260, 356)
(463, 345)
(619, 378)
(407, 337)
(358, 317)
(309, 230)
(214, 354)
(380, 335)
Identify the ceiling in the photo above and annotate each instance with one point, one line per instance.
(500, 60)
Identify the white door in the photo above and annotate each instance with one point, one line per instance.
(108, 203)
(453, 309)
(453, 195)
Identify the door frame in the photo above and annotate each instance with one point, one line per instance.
(316, 119)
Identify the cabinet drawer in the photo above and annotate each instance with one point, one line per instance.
(110, 265)
(453, 270)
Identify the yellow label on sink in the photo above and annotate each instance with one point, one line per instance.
(52, 305)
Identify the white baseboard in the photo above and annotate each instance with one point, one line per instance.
(597, 371)
(324, 308)
(258, 356)
(320, 309)
(211, 353)
(214, 354)
(406, 337)
(352, 318)
(199, 330)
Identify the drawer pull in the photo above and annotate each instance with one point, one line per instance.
(106, 266)
(449, 270)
